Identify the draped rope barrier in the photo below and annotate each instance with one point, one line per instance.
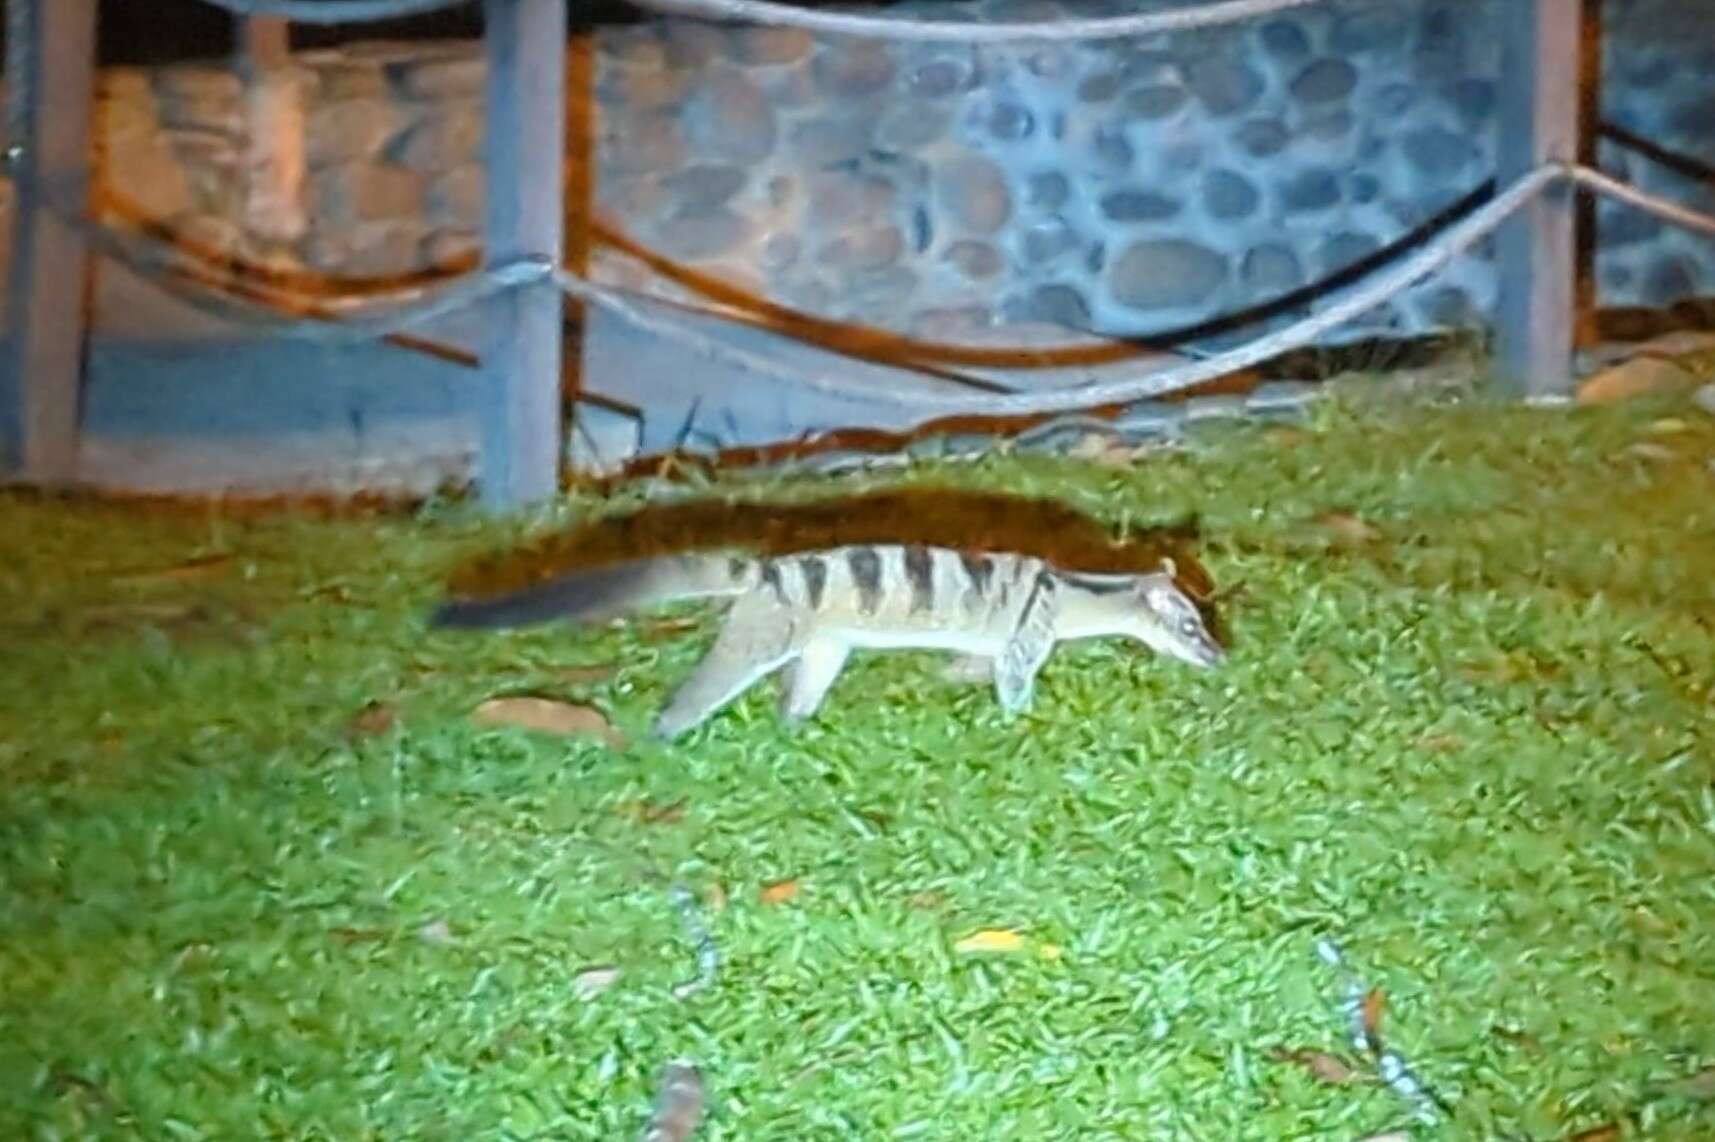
(971, 32)
(215, 290)
(1665, 209)
(343, 321)
(335, 11)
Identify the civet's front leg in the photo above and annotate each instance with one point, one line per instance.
(755, 640)
(811, 675)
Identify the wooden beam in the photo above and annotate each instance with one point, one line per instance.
(581, 126)
(1541, 120)
(49, 299)
(524, 203)
(274, 131)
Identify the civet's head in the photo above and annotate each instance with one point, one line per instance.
(1154, 610)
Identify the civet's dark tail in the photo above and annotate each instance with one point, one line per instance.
(591, 593)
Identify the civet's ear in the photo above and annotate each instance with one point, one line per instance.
(1170, 567)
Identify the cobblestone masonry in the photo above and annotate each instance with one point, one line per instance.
(1125, 187)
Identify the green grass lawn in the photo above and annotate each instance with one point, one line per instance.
(1472, 745)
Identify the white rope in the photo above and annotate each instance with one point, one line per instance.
(334, 11)
(347, 320)
(1665, 209)
(1354, 302)
(986, 32)
(711, 349)
(328, 320)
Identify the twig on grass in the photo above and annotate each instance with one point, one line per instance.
(708, 955)
(1362, 1013)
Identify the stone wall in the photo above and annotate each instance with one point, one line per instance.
(1130, 187)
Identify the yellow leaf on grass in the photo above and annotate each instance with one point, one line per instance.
(991, 940)
(779, 892)
(545, 715)
(1319, 1065)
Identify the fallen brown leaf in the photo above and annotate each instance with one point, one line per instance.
(194, 568)
(375, 718)
(1700, 1086)
(1319, 1065)
(653, 812)
(1348, 529)
(779, 892)
(546, 715)
(1375, 1006)
(1606, 1132)
(357, 935)
(1440, 743)
(927, 901)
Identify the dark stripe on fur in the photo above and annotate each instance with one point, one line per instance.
(980, 568)
(920, 573)
(815, 578)
(866, 576)
(771, 576)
